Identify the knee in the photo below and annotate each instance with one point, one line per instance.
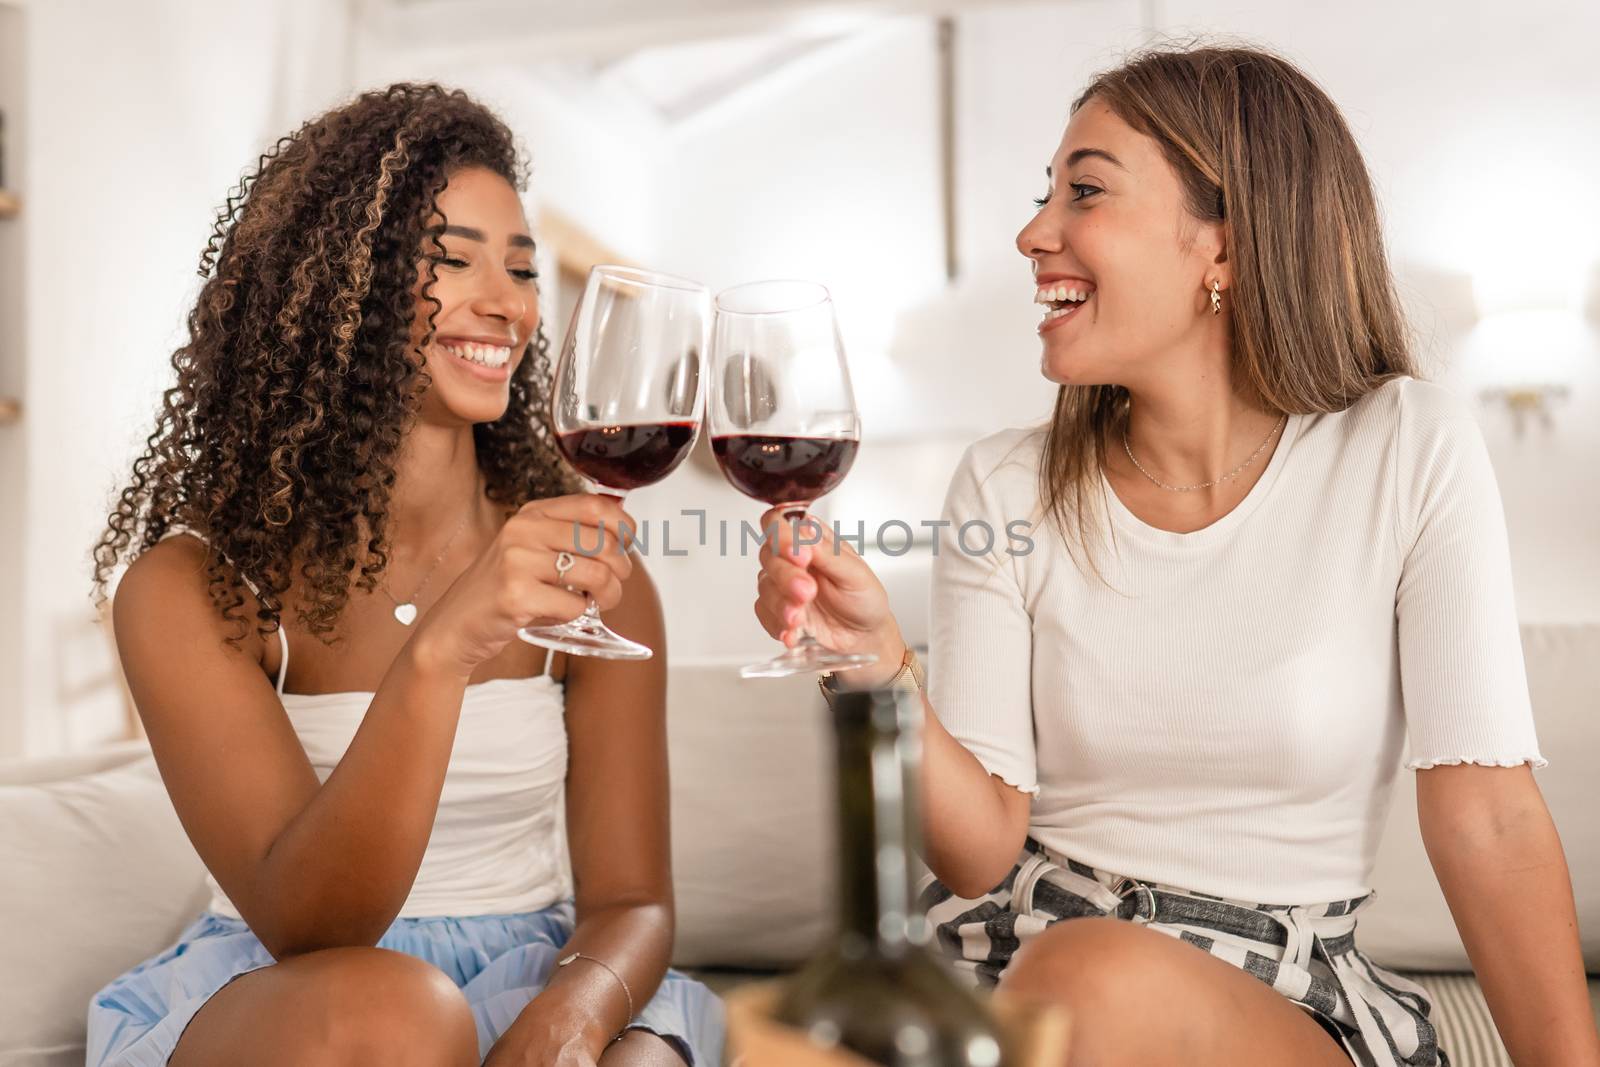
(640, 1048)
(1103, 970)
(378, 1006)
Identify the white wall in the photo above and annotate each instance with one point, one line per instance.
(13, 374)
(601, 164)
(772, 184)
(140, 119)
(971, 352)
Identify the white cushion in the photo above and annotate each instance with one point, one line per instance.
(1409, 925)
(752, 811)
(99, 875)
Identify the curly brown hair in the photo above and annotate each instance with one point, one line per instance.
(299, 380)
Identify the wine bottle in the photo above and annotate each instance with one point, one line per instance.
(877, 989)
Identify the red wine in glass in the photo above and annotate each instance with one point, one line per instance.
(783, 470)
(630, 456)
(783, 420)
(626, 400)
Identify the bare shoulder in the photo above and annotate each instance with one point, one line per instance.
(167, 585)
(159, 564)
(163, 614)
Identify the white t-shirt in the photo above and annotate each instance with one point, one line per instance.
(1229, 716)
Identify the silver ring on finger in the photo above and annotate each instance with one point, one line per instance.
(564, 563)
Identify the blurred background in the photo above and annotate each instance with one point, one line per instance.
(887, 149)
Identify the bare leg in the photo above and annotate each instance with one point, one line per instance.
(334, 1007)
(1138, 997)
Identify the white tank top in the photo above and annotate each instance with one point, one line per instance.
(499, 843)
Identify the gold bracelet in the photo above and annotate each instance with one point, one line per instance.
(620, 981)
(909, 678)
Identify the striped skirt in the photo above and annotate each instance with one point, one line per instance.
(1308, 954)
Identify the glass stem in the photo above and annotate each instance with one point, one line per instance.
(592, 610)
(794, 513)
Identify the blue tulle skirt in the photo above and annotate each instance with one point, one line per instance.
(499, 962)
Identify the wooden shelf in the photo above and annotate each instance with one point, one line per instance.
(10, 206)
(576, 249)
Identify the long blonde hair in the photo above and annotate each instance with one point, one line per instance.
(1315, 319)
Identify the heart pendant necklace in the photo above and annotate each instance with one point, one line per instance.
(405, 612)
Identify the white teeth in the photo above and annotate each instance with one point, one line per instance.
(1060, 294)
(483, 355)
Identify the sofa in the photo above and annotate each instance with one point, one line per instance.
(98, 874)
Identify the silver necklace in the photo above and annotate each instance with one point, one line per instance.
(405, 613)
(1203, 485)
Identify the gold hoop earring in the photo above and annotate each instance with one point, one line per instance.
(1216, 297)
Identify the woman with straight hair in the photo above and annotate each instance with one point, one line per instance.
(428, 842)
(1263, 557)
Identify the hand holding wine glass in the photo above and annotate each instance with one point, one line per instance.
(783, 419)
(515, 581)
(627, 406)
(811, 582)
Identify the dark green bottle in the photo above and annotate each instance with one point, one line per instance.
(878, 989)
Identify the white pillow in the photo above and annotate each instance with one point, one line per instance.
(99, 876)
(1409, 925)
(752, 816)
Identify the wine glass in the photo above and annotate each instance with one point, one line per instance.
(626, 406)
(783, 419)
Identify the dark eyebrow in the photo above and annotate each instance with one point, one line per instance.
(1087, 153)
(517, 240)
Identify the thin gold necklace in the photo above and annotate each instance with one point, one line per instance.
(1281, 423)
(405, 612)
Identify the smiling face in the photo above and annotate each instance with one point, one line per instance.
(1122, 269)
(488, 295)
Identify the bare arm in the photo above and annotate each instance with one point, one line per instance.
(315, 865)
(620, 841)
(1500, 864)
(281, 845)
(974, 824)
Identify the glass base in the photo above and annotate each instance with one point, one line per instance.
(585, 636)
(809, 656)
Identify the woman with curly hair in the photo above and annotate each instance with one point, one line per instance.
(355, 464)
